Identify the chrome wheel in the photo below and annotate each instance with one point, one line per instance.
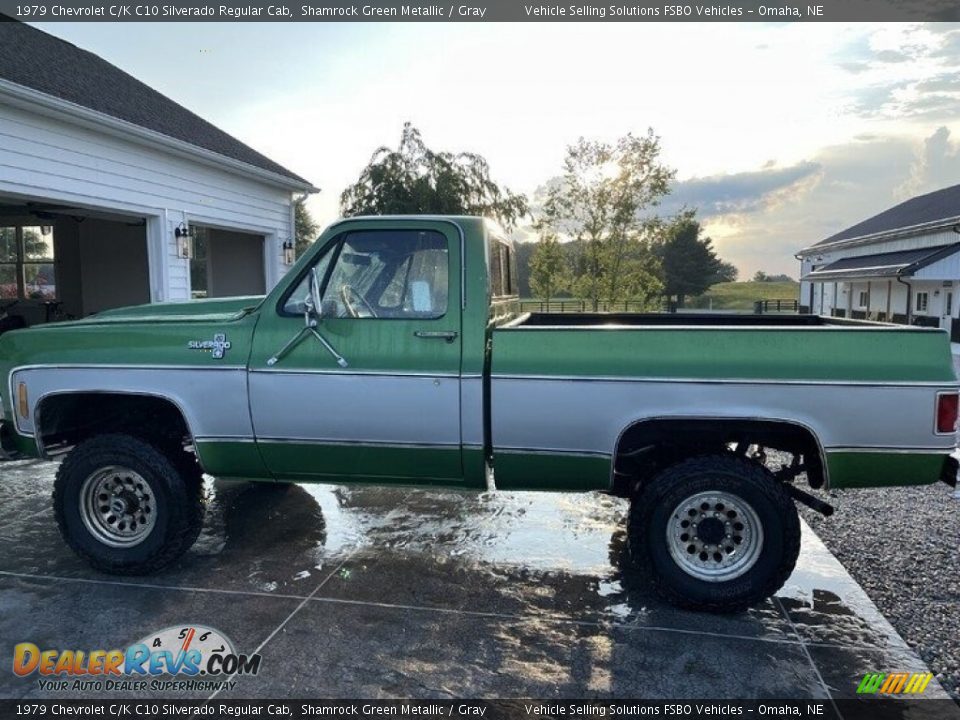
(118, 506)
(714, 536)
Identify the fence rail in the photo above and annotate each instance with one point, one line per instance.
(765, 306)
(633, 306)
(579, 306)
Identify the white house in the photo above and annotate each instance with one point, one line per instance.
(901, 266)
(99, 172)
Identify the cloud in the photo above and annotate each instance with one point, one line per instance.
(937, 165)
(949, 45)
(844, 184)
(905, 73)
(948, 82)
(853, 181)
(735, 193)
(892, 56)
(855, 67)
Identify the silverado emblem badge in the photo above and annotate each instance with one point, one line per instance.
(217, 347)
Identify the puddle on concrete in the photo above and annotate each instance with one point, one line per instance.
(506, 552)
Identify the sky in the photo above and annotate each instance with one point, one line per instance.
(780, 134)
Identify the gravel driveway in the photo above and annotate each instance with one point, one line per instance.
(903, 546)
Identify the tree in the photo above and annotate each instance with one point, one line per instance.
(305, 227)
(690, 264)
(549, 271)
(39, 278)
(727, 273)
(598, 202)
(415, 179)
(523, 251)
(761, 276)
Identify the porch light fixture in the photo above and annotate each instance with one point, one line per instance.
(184, 235)
(288, 252)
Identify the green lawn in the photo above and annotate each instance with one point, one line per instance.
(741, 295)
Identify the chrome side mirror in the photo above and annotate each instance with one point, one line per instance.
(312, 315)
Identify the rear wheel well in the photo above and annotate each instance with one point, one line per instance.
(67, 419)
(648, 446)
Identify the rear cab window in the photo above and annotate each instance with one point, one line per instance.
(503, 268)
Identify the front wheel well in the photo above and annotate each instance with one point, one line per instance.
(648, 446)
(67, 419)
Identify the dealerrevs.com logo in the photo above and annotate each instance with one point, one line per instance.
(185, 657)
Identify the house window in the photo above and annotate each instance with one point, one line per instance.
(863, 299)
(922, 300)
(27, 269)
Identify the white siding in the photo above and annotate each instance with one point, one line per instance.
(848, 294)
(946, 269)
(45, 158)
(946, 237)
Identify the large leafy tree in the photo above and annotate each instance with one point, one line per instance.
(305, 227)
(414, 179)
(549, 270)
(689, 261)
(600, 202)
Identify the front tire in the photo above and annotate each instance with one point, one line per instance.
(719, 533)
(125, 506)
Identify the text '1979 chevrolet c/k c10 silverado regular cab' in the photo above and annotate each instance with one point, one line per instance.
(394, 352)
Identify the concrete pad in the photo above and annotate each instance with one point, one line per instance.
(343, 651)
(392, 592)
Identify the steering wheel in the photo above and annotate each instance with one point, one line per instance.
(346, 291)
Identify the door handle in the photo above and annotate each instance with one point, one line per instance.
(448, 335)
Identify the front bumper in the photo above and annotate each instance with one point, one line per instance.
(949, 472)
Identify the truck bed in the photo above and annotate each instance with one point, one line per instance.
(686, 319)
(566, 386)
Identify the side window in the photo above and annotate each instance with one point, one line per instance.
(296, 302)
(389, 274)
(503, 271)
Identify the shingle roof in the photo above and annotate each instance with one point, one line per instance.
(42, 62)
(891, 264)
(938, 205)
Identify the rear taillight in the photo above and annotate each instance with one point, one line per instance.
(947, 413)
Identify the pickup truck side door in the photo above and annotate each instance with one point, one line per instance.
(380, 401)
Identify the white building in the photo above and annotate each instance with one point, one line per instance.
(901, 266)
(97, 174)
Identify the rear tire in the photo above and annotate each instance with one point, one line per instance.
(718, 533)
(125, 506)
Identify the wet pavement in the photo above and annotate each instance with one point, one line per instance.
(391, 592)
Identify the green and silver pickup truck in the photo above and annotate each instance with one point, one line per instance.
(394, 352)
